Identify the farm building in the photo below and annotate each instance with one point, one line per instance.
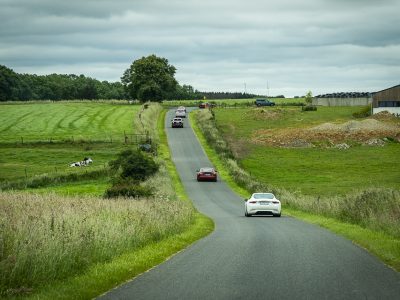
(387, 100)
(343, 99)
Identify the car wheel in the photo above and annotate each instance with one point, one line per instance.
(246, 214)
(277, 215)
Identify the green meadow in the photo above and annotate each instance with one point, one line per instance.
(58, 121)
(318, 171)
(60, 236)
(43, 139)
(232, 102)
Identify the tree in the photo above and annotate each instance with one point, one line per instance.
(308, 98)
(150, 78)
(8, 84)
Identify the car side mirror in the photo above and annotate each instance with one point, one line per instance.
(197, 170)
(245, 199)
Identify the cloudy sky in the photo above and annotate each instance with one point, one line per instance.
(281, 46)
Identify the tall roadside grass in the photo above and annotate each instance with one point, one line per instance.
(373, 208)
(46, 180)
(45, 238)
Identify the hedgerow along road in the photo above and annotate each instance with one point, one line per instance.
(258, 257)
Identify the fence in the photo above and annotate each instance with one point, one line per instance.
(124, 138)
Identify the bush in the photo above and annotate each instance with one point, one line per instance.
(363, 113)
(128, 189)
(309, 108)
(134, 165)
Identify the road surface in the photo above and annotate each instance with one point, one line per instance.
(257, 257)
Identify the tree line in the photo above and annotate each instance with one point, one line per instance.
(149, 78)
(23, 87)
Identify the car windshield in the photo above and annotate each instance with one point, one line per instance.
(263, 196)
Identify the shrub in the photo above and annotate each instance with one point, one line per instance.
(309, 108)
(363, 113)
(128, 189)
(134, 165)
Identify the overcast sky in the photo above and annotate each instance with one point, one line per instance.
(220, 45)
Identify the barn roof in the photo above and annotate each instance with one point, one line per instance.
(388, 88)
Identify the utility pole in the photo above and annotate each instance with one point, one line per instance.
(267, 89)
(245, 88)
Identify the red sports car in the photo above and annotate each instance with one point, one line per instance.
(204, 105)
(207, 174)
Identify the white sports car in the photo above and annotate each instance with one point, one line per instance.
(180, 113)
(262, 204)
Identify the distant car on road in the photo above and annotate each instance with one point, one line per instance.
(181, 108)
(180, 113)
(204, 105)
(262, 204)
(263, 102)
(206, 174)
(177, 123)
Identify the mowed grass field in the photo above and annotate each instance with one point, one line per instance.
(62, 120)
(316, 171)
(45, 138)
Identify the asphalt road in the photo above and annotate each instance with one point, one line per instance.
(257, 257)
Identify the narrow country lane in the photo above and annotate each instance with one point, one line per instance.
(258, 257)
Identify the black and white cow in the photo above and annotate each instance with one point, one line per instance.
(85, 162)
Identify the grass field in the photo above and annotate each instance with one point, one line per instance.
(232, 102)
(60, 121)
(65, 240)
(370, 218)
(318, 171)
(45, 138)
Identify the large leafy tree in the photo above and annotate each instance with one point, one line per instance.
(150, 78)
(8, 84)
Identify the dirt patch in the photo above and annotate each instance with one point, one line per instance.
(384, 116)
(367, 132)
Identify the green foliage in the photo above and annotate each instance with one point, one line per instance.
(8, 84)
(128, 189)
(378, 206)
(309, 108)
(134, 165)
(150, 78)
(363, 113)
(14, 86)
(47, 180)
(308, 97)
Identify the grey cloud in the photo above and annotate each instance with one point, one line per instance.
(295, 43)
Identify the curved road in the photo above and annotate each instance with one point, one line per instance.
(258, 257)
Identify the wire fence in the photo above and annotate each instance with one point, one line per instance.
(123, 138)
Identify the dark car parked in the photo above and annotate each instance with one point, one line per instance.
(264, 102)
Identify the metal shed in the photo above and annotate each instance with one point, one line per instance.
(387, 100)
